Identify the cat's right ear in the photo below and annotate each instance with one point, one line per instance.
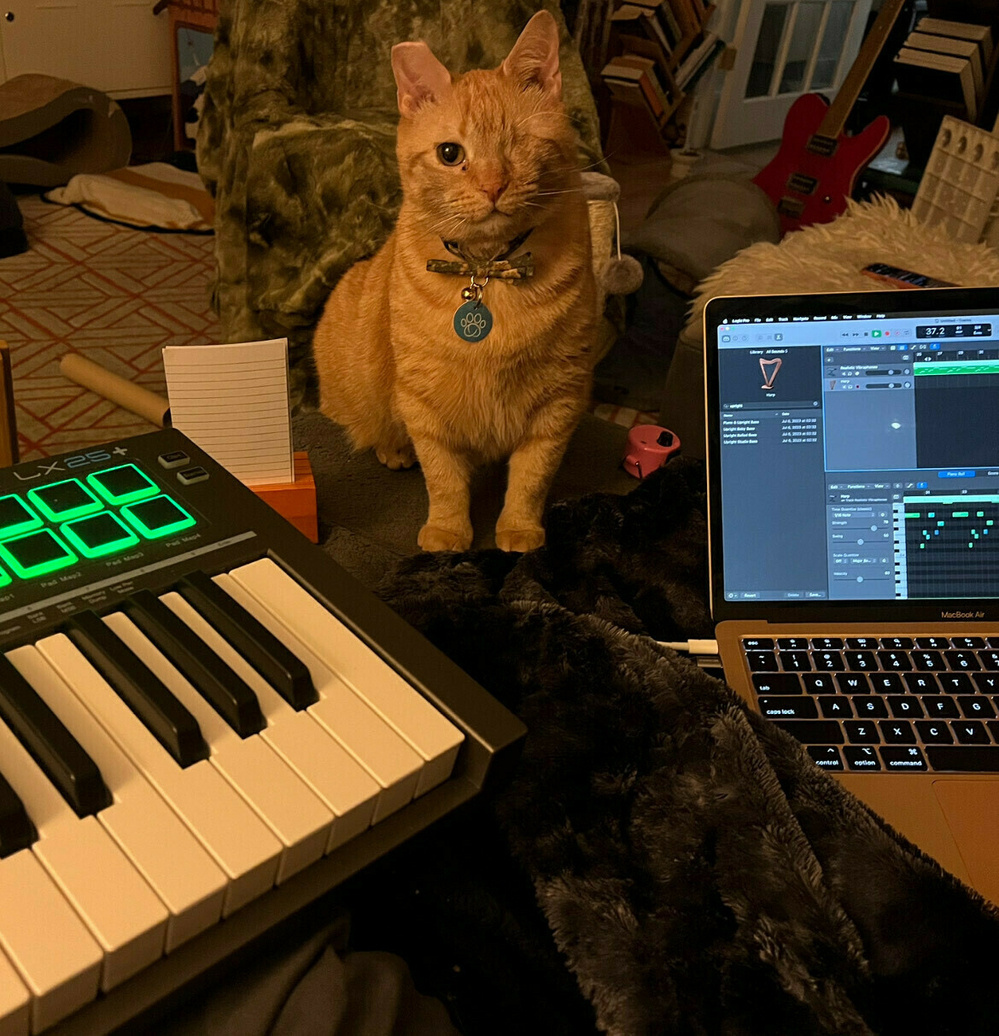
(419, 76)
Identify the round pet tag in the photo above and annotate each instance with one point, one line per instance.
(472, 321)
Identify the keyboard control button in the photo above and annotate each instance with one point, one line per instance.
(860, 757)
(36, 554)
(157, 517)
(99, 534)
(933, 643)
(964, 759)
(827, 643)
(896, 643)
(968, 643)
(897, 758)
(16, 516)
(934, 733)
(63, 501)
(813, 731)
(897, 732)
(862, 643)
(788, 708)
(826, 756)
(173, 459)
(123, 485)
(191, 476)
(757, 644)
(777, 683)
(792, 643)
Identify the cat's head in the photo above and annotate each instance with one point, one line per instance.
(489, 154)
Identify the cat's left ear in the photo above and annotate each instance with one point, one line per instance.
(419, 76)
(534, 58)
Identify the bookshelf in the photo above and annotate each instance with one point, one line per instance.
(654, 52)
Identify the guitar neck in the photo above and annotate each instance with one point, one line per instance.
(835, 119)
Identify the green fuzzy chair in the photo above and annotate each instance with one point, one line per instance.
(297, 143)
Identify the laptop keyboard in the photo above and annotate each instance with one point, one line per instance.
(888, 704)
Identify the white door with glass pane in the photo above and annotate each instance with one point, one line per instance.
(784, 48)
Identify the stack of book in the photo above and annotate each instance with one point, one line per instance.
(661, 48)
(942, 70)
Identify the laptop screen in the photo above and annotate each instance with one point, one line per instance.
(853, 454)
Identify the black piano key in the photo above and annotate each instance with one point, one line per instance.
(16, 829)
(286, 673)
(61, 757)
(144, 693)
(215, 681)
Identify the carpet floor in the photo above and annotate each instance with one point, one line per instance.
(118, 296)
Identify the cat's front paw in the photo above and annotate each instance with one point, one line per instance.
(520, 540)
(397, 458)
(433, 537)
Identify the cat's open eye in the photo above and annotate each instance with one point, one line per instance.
(450, 153)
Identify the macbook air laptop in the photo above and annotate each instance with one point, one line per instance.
(853, 506)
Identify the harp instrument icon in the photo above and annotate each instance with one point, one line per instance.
(770, 369)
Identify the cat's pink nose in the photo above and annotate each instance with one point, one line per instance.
(493, 190)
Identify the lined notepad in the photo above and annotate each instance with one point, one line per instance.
(233, 401)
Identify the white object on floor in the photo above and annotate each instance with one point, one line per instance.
(155, 196)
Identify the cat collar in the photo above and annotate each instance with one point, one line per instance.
(473, 319)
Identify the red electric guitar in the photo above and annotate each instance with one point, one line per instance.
(814, 171)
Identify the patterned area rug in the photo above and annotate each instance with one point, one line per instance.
(116, 295)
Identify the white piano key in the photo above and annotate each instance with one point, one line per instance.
(43, 937)
(122, 912)
(168, 856)
(272, 790)
(434, 738)
(15, 1001)
(346, 717)
(332, 773)
(235, 837)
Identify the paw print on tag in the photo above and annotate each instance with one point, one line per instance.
(472, 321)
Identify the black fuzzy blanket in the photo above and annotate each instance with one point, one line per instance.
(692, 871)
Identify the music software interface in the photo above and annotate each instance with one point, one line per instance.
(860, 457)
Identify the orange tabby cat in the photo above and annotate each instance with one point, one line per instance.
(488, 163)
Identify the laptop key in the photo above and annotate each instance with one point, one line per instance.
(853, 683)
(871, 706)
(887, 683)
(861, 661)
(895, 661)
(761, 661)
(777, 683)
(861, 757)
(897, 732)
(835, 706)
(897, 757)
(792, 643)
(827, 643)
(964, 758)
(813, 731)
(862, 643)
(933, 643)
(971, 732)
(968, 643)
(928, 661)
(788, 707)
(818, 683)
(962, 661)
(795, 661)
(862, 732)
(830, 661)
(987, 683)
(940, 706)
(956, 683)
(897, 643)
(904, 706)
(826, 756)
(922, 683)
(934, 733)
(976, 706)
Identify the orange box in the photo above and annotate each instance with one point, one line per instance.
(295, 501)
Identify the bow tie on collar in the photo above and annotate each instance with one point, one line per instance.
(501, 266)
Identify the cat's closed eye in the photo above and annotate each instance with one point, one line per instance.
(450, 153)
